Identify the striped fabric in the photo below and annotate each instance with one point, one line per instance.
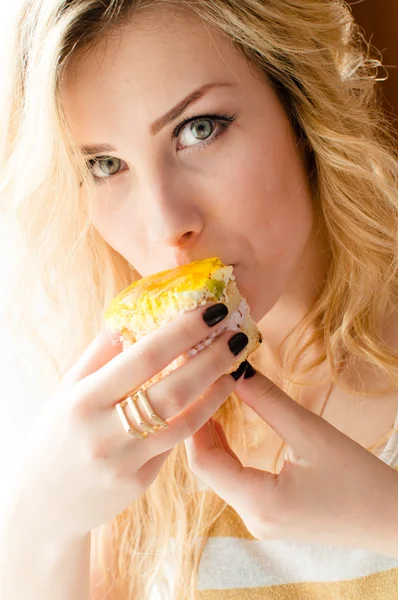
(236, 566)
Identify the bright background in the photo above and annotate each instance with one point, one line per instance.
(16, 416)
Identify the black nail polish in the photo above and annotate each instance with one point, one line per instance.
(238, 342)
(249, 371)
(240, 370)
(215, 314)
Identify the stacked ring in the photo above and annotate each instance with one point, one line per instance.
(131, 400)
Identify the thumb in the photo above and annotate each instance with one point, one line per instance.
(307, 434)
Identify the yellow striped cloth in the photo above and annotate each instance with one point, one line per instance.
(236, 566)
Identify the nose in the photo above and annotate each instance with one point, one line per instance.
(172, 215)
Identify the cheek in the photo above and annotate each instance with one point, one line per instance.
(266, 190)
(271, 196)
(119, 227)
(108, 225)
(110, 220)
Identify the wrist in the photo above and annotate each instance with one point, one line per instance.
(37, 530)
(46, 566)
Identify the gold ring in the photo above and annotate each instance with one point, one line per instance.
(131, 400)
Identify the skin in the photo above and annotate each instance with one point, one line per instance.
(244, 197)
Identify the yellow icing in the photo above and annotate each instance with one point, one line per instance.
(151, 293)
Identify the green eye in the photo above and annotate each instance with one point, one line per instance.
(107, 166)
(202, 129)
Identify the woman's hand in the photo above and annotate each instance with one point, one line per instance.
(330, 489)
(80, 468)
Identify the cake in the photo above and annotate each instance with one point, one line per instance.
(153, 301)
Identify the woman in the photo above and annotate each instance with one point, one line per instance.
(139, 136)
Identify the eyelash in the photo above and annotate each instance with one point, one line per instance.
(224, 122)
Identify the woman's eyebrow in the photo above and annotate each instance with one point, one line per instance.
(177, 110)
(160, 123)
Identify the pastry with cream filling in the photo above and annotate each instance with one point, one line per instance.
(153, 301)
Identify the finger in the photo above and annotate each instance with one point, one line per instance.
(182, 426)
(224, 473)
(173, 395)
(308, 434)
(205, 446)
(101, 350)
(149, 356)
(208, 459)
(181, 387)
(219, 430)
(187, 398)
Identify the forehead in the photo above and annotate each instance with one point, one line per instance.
(149, 64)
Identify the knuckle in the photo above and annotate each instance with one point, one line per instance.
(200, 462)
(224, 386)
(188, 333)
(221, 389)
(220, 361)
(177, 396)
(184, 429)
(99, 450)
(146, 355)
(81, 407)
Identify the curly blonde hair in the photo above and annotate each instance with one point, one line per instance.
(314, 55)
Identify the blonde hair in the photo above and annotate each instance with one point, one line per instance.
(314, 55)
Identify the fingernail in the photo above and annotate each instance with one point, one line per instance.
(240, 370)
(215, 314)
(238, 342)
(249, 371)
